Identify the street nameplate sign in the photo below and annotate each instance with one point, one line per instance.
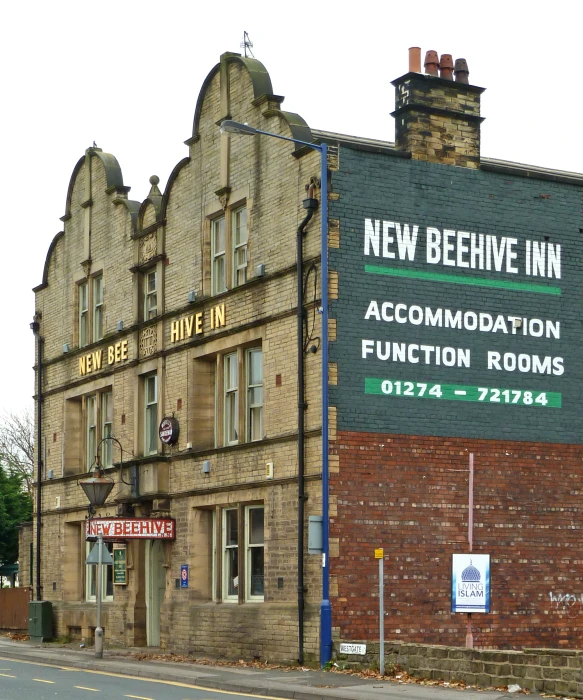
(353, 649)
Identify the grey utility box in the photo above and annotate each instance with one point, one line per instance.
(40, 619)
(315, 540)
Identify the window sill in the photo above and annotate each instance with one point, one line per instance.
(145, 459)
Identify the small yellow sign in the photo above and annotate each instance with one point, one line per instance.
(379, 553)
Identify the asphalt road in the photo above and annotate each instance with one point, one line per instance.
(24, 680)
(78, 674)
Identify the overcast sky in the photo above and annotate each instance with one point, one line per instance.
(127, 76)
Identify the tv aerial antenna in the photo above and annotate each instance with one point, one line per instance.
(247, 45)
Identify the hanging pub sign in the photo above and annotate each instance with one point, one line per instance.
(131, 528)
(168, 431)
(470, 583)
(120, 567)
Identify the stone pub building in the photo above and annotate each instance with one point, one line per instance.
(454, 299)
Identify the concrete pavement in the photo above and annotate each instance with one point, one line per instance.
(301, 684)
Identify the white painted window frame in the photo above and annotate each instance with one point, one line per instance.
(90, 430)
(228, 597)
(91, 576)
(150, 294)
(231, 399)
(106, 449)
(83, 311)
(218, 256)
(150, 408)
(97, 321)
(251, 390)
(249, 549)
(239, 226)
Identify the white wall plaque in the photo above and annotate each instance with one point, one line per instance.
(353, 649)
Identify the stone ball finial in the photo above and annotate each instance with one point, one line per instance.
(154, 180)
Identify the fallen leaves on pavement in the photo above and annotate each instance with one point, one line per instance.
(16, 636)
(395, 676)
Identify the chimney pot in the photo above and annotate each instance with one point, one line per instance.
(431, 63)
(446, 66)
(461, 71)
(415, 59)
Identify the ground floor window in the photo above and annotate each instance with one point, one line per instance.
(91, 577)
(242, 562)
(254, 546)
(231, 554)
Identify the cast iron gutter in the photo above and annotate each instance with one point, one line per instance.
(311, 205)
(35, 326)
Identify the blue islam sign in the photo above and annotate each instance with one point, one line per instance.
(184, 576)
(470, 583)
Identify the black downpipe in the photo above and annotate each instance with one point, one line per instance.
(39, 371)
(311, 205)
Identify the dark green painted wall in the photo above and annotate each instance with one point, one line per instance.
(382, 187)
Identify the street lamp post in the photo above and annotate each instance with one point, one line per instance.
(97, 489)
(35, 328)
(233, 127)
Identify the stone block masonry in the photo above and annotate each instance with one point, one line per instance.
(555, 671)
(141, 313)
(438, 120)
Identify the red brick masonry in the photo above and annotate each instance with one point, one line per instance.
(410, 496)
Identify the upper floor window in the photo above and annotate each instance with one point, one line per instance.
(150, 414)
(90, 310)
(88, 419)
(218, 245)
(242, 396)
(91, 429)
(229, 250)
(239, 232)
(231, 371)
(106, 428)
(98, 307)
(83, 293)
(150, 282)
(254, 406)
(98, 425)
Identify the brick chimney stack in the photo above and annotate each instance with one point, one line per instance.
(437, 119)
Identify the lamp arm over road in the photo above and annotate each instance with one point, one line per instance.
(111, 438)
